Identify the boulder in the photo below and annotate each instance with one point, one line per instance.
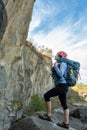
(35, 123)
(80, 113)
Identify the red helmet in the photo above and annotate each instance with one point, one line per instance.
(62, 54)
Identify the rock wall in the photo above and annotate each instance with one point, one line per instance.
(23, 70)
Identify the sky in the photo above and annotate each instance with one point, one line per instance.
(62, 25)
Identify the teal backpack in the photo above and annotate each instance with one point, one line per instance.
(73, 68)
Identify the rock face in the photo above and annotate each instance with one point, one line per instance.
(23, 70)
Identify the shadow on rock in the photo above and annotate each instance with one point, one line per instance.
(3, 19)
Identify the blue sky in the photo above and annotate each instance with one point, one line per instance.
(62, 25)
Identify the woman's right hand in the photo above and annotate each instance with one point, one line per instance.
(56, 64)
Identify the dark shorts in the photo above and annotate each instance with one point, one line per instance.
(60, 91)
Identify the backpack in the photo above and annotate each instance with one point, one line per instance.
(73, 68)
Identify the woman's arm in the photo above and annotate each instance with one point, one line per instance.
(60, 69)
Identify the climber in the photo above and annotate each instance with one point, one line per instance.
(59, 72)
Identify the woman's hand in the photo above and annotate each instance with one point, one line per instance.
(56, 64)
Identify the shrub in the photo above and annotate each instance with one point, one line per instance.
(37, 104)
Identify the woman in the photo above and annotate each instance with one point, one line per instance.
(59, 73)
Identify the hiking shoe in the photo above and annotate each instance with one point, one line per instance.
(45, 117)
(63, 125)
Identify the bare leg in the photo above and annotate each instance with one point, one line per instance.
(47, 116)
(66, 116)
(48, 105)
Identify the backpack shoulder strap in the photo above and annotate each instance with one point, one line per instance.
(72, 63)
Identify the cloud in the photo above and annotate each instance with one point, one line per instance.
(40, 13)
(59, 39)
(61, 29)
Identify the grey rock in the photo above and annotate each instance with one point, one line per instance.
(80, 113)
(35, 123)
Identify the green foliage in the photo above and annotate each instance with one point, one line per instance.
(37, 103)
